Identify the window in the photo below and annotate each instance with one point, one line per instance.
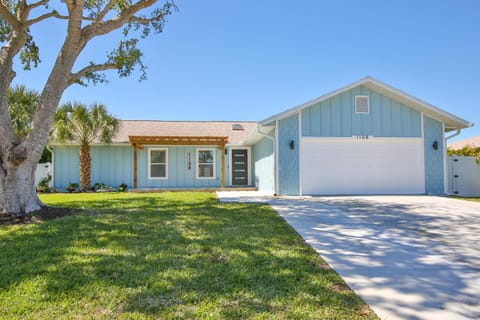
(361, 104)
(205, 163)
(158, 164)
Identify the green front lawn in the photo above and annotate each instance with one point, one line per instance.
(475, 199)
(166, 256)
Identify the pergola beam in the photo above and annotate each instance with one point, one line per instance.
(178, 140)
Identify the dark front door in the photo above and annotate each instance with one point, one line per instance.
(239, 167)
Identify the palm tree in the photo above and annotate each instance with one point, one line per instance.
(84, 125)
(22, 103)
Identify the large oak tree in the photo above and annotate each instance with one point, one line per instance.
(84, 21)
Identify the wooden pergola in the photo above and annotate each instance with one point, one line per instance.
(138, 142)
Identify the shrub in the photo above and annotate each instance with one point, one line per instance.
(72, 187)
(99, 185)
(469, 151)
(122, 187)
(44, 184)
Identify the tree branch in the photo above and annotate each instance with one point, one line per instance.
(9, 17)
(37, 4)
(54, 14)
(118, 21)
(46, 16)
(104, 12)
(93, 68)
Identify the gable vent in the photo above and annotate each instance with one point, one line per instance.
(362, 104)
(237, 127)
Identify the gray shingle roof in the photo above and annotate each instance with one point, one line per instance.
(183, 128)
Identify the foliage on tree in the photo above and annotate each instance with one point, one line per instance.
(83, 22)
(76, 122)
(468, 150)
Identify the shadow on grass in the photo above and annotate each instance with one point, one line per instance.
(173, 258)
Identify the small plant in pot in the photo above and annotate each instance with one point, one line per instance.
(122, 187)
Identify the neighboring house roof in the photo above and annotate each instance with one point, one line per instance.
(185, 128)
(473, 142)
(451, 121)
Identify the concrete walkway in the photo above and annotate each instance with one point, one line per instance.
(245, 196)
(408, 257)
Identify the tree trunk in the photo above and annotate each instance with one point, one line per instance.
(85, 167)
(17, 189)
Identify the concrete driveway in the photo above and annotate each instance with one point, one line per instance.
(408, 257)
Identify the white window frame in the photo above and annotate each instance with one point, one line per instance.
(197, 164)
(368, 104)
(150, 163)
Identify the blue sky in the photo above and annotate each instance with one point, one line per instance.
(247, 60)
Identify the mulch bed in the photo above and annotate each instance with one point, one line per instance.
(46, 213)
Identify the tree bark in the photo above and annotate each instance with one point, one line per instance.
(85, 167)
(17, 188)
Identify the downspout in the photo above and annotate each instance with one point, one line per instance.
(454, 135)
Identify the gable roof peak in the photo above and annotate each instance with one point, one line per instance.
(451, 121)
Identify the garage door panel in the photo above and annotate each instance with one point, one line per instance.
(374, 166)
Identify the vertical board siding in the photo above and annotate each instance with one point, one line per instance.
(112, 165)
(336, 117)
(434, 175)
(376, 114)
(288, 159)
(66, 166)
(263, 163)
(179, 175)
(386, 108)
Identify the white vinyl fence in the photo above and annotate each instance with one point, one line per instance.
(43, 170)
(463, 176)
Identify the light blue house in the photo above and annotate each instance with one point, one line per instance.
(365, 138)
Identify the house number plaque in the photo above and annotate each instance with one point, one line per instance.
(362, 137)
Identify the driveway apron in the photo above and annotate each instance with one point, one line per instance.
(408, 257)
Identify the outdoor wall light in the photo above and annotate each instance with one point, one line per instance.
(435, 145)
(292, 144)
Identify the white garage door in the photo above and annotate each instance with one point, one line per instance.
(351, 166)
